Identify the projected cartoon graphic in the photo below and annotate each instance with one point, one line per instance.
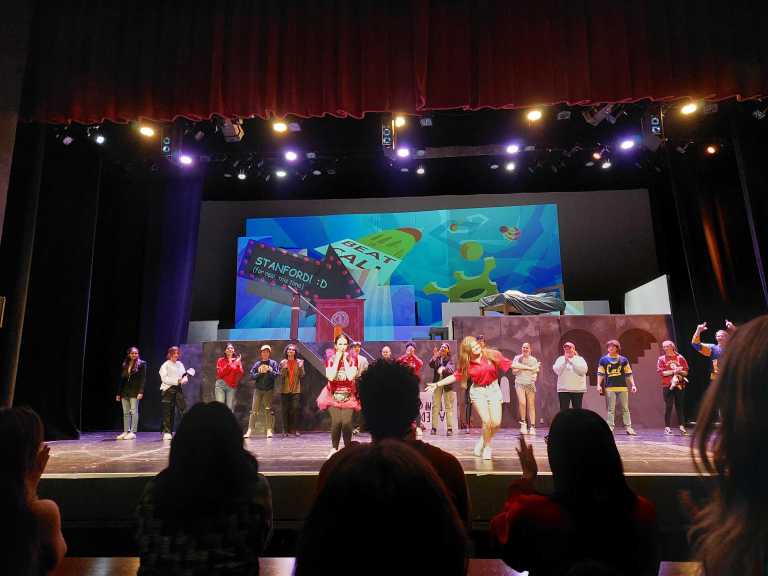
(404, 265)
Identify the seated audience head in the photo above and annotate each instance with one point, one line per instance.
(585, 463)
(21, 439)
(384, 492)
(389, 395)
(730, 533)
(386, 353)
(206, 452)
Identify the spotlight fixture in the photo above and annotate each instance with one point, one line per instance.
(494, 166)
(279, 126)
(597, 155)
(67, 140)
(185, 159)
(627, 144)
(99, 139)
(404, 169)
(420, 170)
(399, 121)
(425, 121)
(280, 173)
(689, 108)
(513, 149)
(316, 173)
(606, 164)
(711, 149)
(403, 152)
(534, 115)
(291, 156)
(509, 166)
(564, 115)
(146, 131)
(242, 175)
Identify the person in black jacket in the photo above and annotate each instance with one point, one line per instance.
(263, 372)
(130, 390)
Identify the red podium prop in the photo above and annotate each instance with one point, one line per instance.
(346, 313)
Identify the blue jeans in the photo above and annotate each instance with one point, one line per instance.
(130, 414)
(224, 394)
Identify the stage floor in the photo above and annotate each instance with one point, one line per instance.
(651, 453)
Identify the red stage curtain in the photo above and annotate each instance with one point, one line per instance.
(95, 59)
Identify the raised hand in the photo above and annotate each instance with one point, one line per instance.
(431, 387)
(701, 327)
(527, 460)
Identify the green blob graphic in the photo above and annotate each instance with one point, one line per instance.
(471, 250)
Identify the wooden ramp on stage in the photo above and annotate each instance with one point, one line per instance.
(97, 481)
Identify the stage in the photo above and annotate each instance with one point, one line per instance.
(651, 453)
(97, 481)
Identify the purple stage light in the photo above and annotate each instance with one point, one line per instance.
(185, 159)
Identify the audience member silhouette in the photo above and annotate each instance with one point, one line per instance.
(730, 533)
(31, 542)
(210, 511)
(592, 515)
(382, 510)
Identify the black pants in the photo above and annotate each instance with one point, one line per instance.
(341, 425)
(675, 396)
(468, 407)
(570, 400)
(290, 405)
(170, 400)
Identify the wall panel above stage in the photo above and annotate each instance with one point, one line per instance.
(640, 337)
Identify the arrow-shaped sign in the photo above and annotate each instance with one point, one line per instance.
(275, 271)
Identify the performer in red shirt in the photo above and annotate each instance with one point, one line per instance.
(415, 363)
(482, 366)
(673, 369)
(229, 371)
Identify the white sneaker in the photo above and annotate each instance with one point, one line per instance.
(269, 432)
(523, 428)
(631, 431)
(332, 452)
(478, 451)
(668, 431)
(683, 431)
(487, 454)
(247, 433)
(121, 436)
(532, 431)
(130, 436)
(167, 436)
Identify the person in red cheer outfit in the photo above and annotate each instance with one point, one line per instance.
(673, 369)
(229, 371)
(339, 396)
(482, 366)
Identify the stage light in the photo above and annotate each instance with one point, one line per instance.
(399, 121)
(403, 152)
(689, 108)
(280, 173)
(291, 156)
(279, 126)
(420, 170)
(185, 159)
(404, 170)
(67, 140)
(494, 166)
(711, 149)
(597, 155)
(100, 139)
(534, 115)
(146, 131)
(316, 173)
(242, 175)
(513, 149)
(605, 165)
(627, 144)
(509, 166)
